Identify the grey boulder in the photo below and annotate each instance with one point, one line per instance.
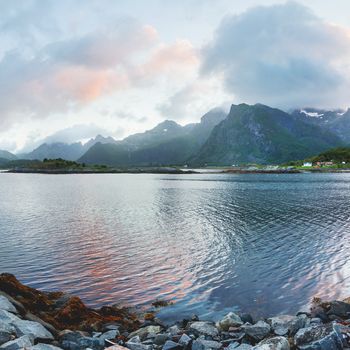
(78, 341)
(339, 309)
(204, 328)
(230, 320)
(6, 305)
(185, 339)
(23, 342)
(8, 317)
(286, 324)
(171, 345)
(173, 330)
(135, 344)
(112, 334)
(144, 331)
(5, 337)
(257, 331)
(38, 331)
(244, 347)
(160, 339)
(44, 347)
(202, 344)
(275, 343)
(319, 337)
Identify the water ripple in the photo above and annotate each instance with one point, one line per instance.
(212, 243)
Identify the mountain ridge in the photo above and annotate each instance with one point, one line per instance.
(248, 133)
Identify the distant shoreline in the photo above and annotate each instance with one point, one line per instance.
(175, 171)
(111, 171)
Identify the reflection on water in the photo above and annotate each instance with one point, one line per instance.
(211, 242)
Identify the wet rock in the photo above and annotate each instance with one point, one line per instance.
(44, 347)
(116, 347)
(244, 347)
(8, 317)
(19, 343)
(286, 324)
(6, 305)
(203, 328)
(62, 300)
(138, 346)
(185, 340)
(339, 309)
(258, 331)
(304, 311)
(160, 339)
(173, 330)
(110, 327)
(7, 327)
(246, 318)
(171, 345)
(5, 337)
(19, 306)
(316, 320)
(144, 331)
(232, 345)
(112, 334)
(319, 312)
(275, 343)
(230, 320)
(79, 341)
(202, 344)
(319, 337)
(24, 327)
(31, 317)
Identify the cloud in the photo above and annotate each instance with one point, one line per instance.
(75, 133)
(282, 55)
(69, 74)
(104, 48)
(196, 99)
(178, 57)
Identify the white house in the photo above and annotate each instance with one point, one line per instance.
(307, 164)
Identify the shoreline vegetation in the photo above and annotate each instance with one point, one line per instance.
(33, 319)
(332, 161)
(177, 170)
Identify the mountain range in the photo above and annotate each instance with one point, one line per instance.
(62, 150)
(247, 134)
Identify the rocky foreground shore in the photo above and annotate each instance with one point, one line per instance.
(31, 319)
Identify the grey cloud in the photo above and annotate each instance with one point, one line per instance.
(72, 134)
(104, 48)
(129, 116)
(76, 133)
(281, 55)
(70, 73)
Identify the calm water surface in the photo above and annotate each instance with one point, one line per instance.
(210, 242)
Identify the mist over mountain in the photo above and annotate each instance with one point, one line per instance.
(7, 155)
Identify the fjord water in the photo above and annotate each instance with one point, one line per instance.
(264, 244)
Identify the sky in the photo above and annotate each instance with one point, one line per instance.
(70, 69)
